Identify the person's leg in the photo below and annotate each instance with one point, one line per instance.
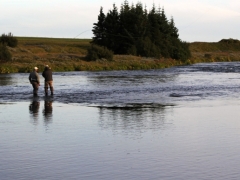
(35, 88)
(51, 86)
(46, 88)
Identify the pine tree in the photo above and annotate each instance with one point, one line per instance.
(112, 29)
(133, 27)
(99, 30)
(136, 31)
(173, 29)
(154, 32)
(127, 40)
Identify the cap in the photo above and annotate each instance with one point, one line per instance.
(35, 68)
(46, 65)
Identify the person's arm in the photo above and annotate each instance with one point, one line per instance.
(38, 79)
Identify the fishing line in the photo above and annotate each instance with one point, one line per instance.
(81, 33)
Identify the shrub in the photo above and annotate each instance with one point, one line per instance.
(132, 50)
(180, 50)
(5, 55)
(96, 52)
(9, 40)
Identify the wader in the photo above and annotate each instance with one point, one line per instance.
(35, 86)
(48, 83)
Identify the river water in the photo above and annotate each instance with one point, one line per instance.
(175, 123)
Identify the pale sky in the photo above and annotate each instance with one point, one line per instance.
(196, 20)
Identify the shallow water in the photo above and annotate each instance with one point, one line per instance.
(124, 88)
(176, 123)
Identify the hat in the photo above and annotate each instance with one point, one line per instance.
(46, 65)
(35, 68)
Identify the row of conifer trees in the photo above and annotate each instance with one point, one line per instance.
(136, 31)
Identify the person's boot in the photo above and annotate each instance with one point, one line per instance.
(35, 93)
(46, 91)
(51, 89)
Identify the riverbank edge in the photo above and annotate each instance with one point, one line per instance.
(69, 55)
(120, 62)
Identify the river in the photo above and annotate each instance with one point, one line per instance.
(175, 123)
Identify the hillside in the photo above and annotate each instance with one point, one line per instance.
(224, 50)
(57, 52)
(47, 49)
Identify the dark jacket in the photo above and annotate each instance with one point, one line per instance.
(47, 74)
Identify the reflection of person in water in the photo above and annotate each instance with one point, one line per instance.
(47, 112)
(34, 108)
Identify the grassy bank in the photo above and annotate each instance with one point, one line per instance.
(69, 55)
(222, 51)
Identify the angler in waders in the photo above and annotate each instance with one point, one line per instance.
(34, 80)
(47, 74)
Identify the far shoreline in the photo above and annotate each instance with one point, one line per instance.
(65, 54)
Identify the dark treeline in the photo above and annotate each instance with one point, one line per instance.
(133, 30)
(8, 40)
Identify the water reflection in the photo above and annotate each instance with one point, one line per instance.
(132, 120)
(48, 110)
(34, 109)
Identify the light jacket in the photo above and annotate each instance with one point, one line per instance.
(34, 77)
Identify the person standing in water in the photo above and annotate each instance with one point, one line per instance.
(47, 74)
(34, 80)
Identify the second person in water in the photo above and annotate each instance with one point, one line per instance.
(47, 74)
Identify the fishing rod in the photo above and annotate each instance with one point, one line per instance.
(74, 38)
